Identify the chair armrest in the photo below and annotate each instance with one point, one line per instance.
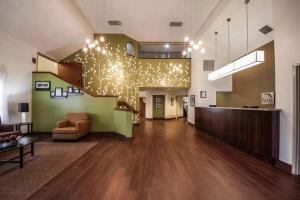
(84, 125)
(62, 123)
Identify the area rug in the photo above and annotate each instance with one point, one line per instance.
(50, 159)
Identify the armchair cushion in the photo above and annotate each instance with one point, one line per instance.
(74, 117)
(62, 123)
(65, 130)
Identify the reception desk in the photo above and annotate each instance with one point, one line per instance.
(254, 131)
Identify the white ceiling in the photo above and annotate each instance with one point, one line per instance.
(54, 27)
(59, 27)
(147, 20)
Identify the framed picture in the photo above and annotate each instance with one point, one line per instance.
(65, 94)
(42, 85)
(202, 94)
(52, 94)
(70, 89)
(267, 98)
(192, 100)
(157, 100)
(172, 101)
(58, 92)
(157, 105)
(77, 91)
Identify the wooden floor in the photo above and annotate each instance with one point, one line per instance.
(168, 160)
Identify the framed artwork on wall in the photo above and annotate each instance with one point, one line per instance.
(58, 91)
(172, 101)
(202, 94)
(267, 98)
(42, 85)
(192, 100)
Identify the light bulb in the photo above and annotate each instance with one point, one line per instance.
(167, 46)
(98, 49)
(102, 39)
(191, 43)
(202, 51)
(103, 51)
(189, 49)
(96, 42)
(184, 53)
(91, 45)
(196, 46)
(186, 39)
(85, 49)
(200, 42)
(88, 41)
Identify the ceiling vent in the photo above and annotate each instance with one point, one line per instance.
(208, 65)
(266, 29)
(114, 23)
(176, 24)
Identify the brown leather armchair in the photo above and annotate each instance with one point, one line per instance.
(73, 127)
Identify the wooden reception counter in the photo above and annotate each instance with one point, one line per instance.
(254, 131)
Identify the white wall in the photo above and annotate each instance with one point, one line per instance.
(17, 58)
(286, 15)
(260, 14)
(46, 65)
(170, 111)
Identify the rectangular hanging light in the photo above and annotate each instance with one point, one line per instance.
(245, 62)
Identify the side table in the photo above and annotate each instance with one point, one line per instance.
(29, 127)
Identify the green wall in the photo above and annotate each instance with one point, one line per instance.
(47, 111)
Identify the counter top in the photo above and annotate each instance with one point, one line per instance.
(240, 108)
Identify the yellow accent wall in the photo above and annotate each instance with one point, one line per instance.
(118, 73)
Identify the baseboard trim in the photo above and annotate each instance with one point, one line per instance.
(189, 123)
(287, 168)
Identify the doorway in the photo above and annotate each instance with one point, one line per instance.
(142, 107)
(158, 106)
(296, 137)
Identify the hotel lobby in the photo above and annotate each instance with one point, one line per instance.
(137, 99)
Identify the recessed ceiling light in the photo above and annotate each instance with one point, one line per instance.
(114, 23)
(167, 46)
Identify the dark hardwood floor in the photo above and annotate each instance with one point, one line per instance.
(168, 160)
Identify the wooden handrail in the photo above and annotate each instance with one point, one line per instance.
(128, 106)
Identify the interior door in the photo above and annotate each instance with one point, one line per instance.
(158, 106)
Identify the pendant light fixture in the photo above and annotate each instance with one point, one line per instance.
(97, 45)
(189, 44)
(245, 62)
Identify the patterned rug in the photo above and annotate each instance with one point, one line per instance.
(50, 159)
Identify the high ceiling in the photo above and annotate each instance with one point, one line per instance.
(57, 28)
(147, 20)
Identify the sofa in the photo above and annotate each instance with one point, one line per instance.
(73, 127)
(7, 133)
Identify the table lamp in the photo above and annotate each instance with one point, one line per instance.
(23, 108)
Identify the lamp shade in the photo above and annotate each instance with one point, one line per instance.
(23, 107)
